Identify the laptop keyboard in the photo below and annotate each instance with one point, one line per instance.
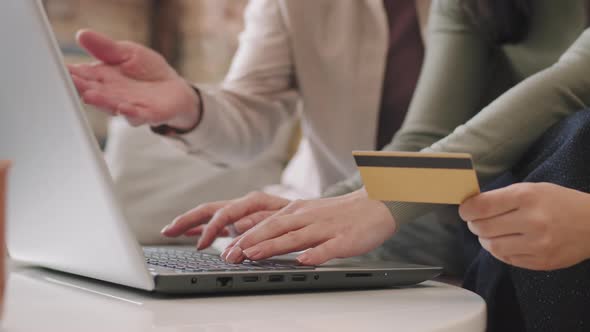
(190, 260)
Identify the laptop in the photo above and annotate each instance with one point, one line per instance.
(64, 213)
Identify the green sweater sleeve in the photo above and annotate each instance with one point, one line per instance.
(500, 134)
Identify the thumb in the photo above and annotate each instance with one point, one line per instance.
(102, 47)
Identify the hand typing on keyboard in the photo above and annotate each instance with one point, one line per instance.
(328, 228)
(225, 218)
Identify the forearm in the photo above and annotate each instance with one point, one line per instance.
(499, 135)
(241, 117)
(235, 127)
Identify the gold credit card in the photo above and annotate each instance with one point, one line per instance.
(444, 178)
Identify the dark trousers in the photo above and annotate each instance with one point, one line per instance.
(524, 300)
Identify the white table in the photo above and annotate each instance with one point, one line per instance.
(44, 301)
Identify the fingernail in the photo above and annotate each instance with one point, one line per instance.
(225, 252)
(234, 255)
(165, 229)
(253, 253)
(79, 33)
(200, 244)
(303, 259)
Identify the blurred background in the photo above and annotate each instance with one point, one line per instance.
(198, 37)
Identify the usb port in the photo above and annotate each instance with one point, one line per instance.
(298, 277)
(250, 279)
(276, 278)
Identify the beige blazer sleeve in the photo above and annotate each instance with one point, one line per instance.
(243, 115)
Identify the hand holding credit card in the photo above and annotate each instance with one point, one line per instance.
(444, 178)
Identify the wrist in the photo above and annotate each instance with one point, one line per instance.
(361, 193)
(386, 214)
(381, 208)
(188, 120)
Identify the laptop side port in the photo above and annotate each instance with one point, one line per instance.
(358, 275)
(276, 278)
(225, 282)
(299, 277)
(250, 279)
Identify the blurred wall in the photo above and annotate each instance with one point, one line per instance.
(199, 37)
(209, 30)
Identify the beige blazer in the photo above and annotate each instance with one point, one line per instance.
(322, 59)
